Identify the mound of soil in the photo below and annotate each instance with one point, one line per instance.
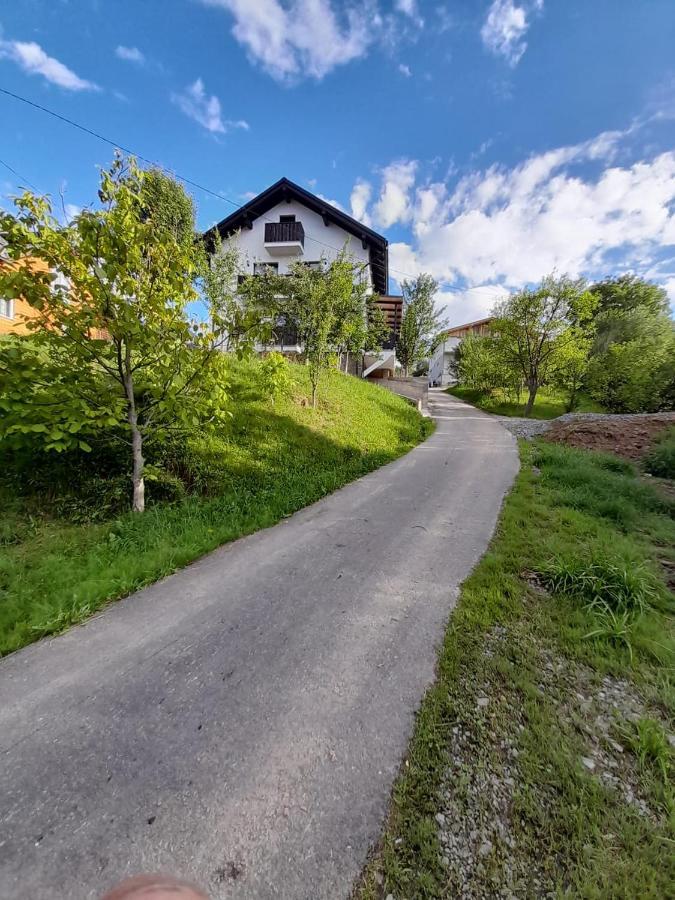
(629, 436)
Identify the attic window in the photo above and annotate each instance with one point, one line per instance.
(287, 218)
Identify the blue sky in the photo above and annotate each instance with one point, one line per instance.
(490, 140)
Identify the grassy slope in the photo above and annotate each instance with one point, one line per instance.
(548, 404)
(550, 691)
(273, 460)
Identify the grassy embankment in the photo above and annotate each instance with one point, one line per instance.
(62, 557)
(542, 756)
(548, 404)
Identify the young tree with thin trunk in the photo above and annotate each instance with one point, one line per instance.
(421, 321)
(326, 305)
(110, 294)
(537, 330)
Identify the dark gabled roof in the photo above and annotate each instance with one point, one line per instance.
(288, 190)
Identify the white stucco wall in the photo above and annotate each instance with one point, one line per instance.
(439, 364)
(251, 242)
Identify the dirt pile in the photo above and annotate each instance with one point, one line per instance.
(629, 436)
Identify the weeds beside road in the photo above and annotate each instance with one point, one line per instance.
(542, 756)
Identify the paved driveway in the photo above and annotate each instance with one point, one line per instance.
(242, 721)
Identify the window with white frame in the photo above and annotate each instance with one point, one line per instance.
(6, 308)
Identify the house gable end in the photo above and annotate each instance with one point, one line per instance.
(285, 190)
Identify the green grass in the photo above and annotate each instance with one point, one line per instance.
(548, 404)
(660, 460)
(272, 460)
(578, 530)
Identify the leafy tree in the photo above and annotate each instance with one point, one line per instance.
(237, 325)
(113, 346)
(378, 332)
(630, 293)
(420, 323)
(166, 204)
(478, 364)
(350, 331)
(632, 364)
(569, 366)
(326, 305)
(637, 374)
(537, 329)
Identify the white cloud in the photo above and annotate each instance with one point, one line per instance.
(409, 8)
(445, 20)
(403, 261)
(393, 204)
(359, 200)
(71, 211)
(130, 54)
(404, 70)
(571, 209)
(205, 109)
(461, 307)
(330, 202)
(301, 38)
(669, 285)
(30, 57)
(504, 29)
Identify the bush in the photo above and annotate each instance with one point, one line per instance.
(275, 375)
(638, 375)
(660, 461)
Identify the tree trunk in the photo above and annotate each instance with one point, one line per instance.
(138, 504)
(347, 363)
(572, 402)
(138, 463)
(313, 395)
(531, 397)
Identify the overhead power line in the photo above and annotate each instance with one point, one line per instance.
(17, 174)
(150, 162)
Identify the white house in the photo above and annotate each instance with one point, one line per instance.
(286, 223)
(441, 362)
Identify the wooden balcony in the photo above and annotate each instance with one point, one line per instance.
(284, 238)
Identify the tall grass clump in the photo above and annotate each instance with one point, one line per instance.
(603, 584)
(615, 593)
(660, 460)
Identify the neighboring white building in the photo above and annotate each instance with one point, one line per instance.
(441, 362)
(286, 223)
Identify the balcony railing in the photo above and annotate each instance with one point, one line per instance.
(284, 233)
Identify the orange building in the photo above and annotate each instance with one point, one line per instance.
(14, 312)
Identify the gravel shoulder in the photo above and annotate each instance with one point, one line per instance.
(628, 435)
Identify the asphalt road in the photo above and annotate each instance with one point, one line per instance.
(241, 722)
